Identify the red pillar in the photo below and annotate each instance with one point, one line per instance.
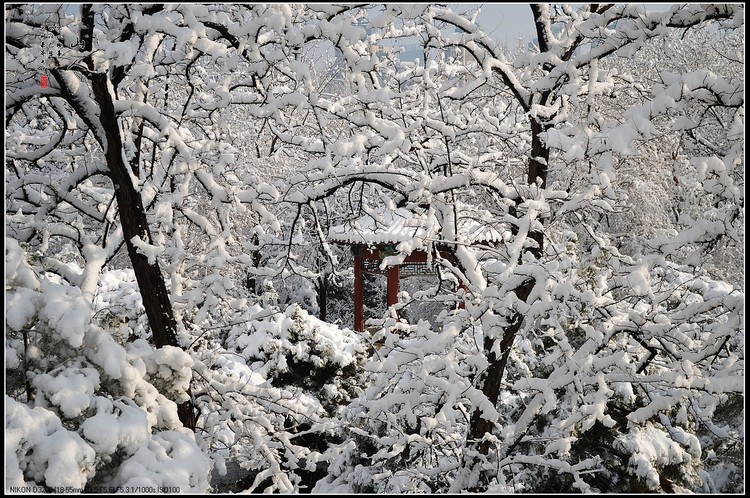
(462, 302)
(392, 285)
(359, 307)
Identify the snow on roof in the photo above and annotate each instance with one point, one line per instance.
(380, 228)
(476, 232)
(401, 225)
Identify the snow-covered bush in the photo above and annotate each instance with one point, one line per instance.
(294, 349)
(269, 386)
(86, 408)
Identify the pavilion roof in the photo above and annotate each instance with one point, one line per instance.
(389, 226)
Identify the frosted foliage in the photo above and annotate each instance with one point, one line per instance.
(64, 459)
(273, 374)
(650, 448)
(102, 432)
(20, 307)
(66, 312)
(70, 389)
(39, 448)
(18, 272)
(24, 428)
(168, 368)
(203, 176)
(170, 459)
(415, 405)
(295, 336)
(97, 405)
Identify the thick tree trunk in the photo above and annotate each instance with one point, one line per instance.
(495, 371)
(539, 161)
(538, 165)
(134, 223)
(537, 172)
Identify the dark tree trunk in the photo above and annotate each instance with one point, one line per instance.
(538, 165)
(539, 160)
(537, 172)
(134, 223)
(494, 375)
(251, 282)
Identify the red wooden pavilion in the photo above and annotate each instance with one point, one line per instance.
(376, 241)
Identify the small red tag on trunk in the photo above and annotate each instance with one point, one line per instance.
(44, 81)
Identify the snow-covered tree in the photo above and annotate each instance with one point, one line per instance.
(123, 158)
(203, 145)
(558, 288)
